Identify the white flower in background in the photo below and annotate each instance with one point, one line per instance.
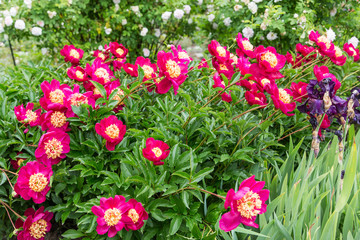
(116, 1)
(1, 29)
(51, 14)
(248, 32)
(135, 9)
(100, 48)
(271, 36)
(19, 24)
(330, 34)
(69, 2)
(237, 8)
(302, 19)
(266, 14)
(8, 21)
(211, 17)
(178, 13)
(146, 52)
(40, 23)
(210, 7)
(1, 43)
(28, 3)
(253, 7)
(199, 2)
(6, 13)
(262, 38)
(263, 26)
(13, 11)
(166, 15)
(227, 21)
(187, 9)
(354, 41)
(157, 32)
(296, 15)
(236, 1)
(303, 36)
(246, 2)
(144, 31)
(190, 21)
(44, 51)
(277, 1)
(333, 12)
(257, 1)
(108, 31)
(117, 7)
(214, 26)
(124, 22)
(36, 31)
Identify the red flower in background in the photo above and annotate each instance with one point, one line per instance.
(218, 51)
(112, 129)
(17, 162)
(289, 58)
(52, 147)
(33, 182)
(72, 54)
(351, 51)
(131, 69)
(326, 47)
(77, 74)
(99, 72)
(137, 214)
(36, 225)
(282, 101)
(245, 205)
(55, 95)
(27, 115)
(323, 72)
(155, 151)
(180, 54)
(299, 91)
(246, 48)
(258, 98)
(118, 50)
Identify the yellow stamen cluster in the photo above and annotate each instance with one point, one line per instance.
(247, 45)
(102, 56)
(58, 119)
(79, 74)
(38, 182)
(57, 96)
(248, 205)
(257, 99)
(352, 50)
(112, 131)
(221, 51)
(183, 55)
(20, 161)
(173, 69)
(325, 40)
(133, 215)
(234, 58)
(53, 148)
(265, 81)
(148, 71)
(223, 67)
(102, 73)
(112, 216)
(118, 94)
(120, 51)
(30, 116)
(96, 91)
(77, 99)
(270, 58)
(38, 229)
(338, 52)
(157, 151)
(284, 96)
(74, 54)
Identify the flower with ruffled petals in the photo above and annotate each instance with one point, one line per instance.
(118, 50)
(17, 162)
(115, 85)
(36, 225)
(150, 69)
(118, 63)
(162, 85)
(72, 54)
(112, 129)
(55, 95)
(102, 56)
(282, 100)
(258, 98)
(77, 74)
(225, 68)
(221, 84)
(245, 204)
(299, 91)
(137, 214)
(76, 99)
(307, 53)
(54, 120)
(155, 151)
(203, 64)
(52, 147)
(265, 84)
(352, 51)
(289, 58)
(269, 62)
(218, 51)
(326, 47)
(338, 58)
(131, 69)
(112, 215)
(245, 47)
(323, 72)
(33, 182)
(180, 54)
(27, 115)
(99, 72)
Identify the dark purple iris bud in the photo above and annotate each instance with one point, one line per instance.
(327, 85)
(313, 122)
(338, 133)
(313, 107)
(313, 89)
(342, 174)
(340, 104)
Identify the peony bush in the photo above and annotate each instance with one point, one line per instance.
(180, 148)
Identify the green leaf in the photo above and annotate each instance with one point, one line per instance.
(72, 234)
(175, 225)
(182, 175)
(201, 174)
(330, 229)
(247, 231)
(100, 88)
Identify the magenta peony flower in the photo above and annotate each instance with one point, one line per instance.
(137, 214)
(203, 64)
(299, 91)
(351, 51)
(112, 215)
(162, 85)
(323, 72)
(72, 54)
(282, 100)
(218, 51)
(269, 62)
(55, 95)
(245, 204)
(102, 56)
(36, 225)
(76, 99)
(245, 47)
(131, 69)
(119, 95)
(225, 68)
(26, 115)
(118, 63)
(77, 73)
(99, 72)
(258, 98)
(156, 151)
(221, 84)
(112, 129)
(180, 54)
(118, 50)
(338, 58)
(52, 147)
(326, 47)
(16, 163)
(54, 120)
(150, 69)
(33, 182)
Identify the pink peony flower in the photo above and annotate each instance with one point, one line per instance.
(118, 63)
(112, 215)
(131, 69)
(16, 163)
(299, 91)
(54, 120)
(245, 47)
(258, 98)
(326, 47)
(225, 68)
(76, 99)
(72, 54)
(115, 85)
(150, 69)
(245, 204)
(162, 85)
(218, 82)
(180, 54)
(77, 74)
(289, 58)
(282, 100)
(118, 50)
(36, 225)
(52, 147)
(55, 95)
(100, 55)
(203, 64)
(99, 72)
(33, 182)
(265, 84)
(338, 58)
(112, 129)
(323, 72)
(27, 115)
(156, 151)
(352, 51)
(137, 214)
(218, 51)
(269, 62)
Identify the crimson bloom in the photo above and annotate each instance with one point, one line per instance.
(131, 69)
(203, 64)
(54, 120)
(253, 97)
(72, 54)
(77, 73)
(156, 151)
(338, 58)
(225, 68)
(282, 101)
(245, 204)
(180, 54)
(137, 214)
(99, 72)
(112, 86)
(245, 47)
(299, 91)
(112, 215)
(112, 129)
(218, 51)
(52, 147)
(76, 99)
(219, 83)
(33, 182)
(27, 115)
(326, 47)
(149, 68)
(16, 163)
(101, 55)
(323, 72)
(351, 51)
(269, 62)
(36, 225)
(55, 95)
(118, 50)
(118, 63)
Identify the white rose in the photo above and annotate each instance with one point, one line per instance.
(144, 32)
(44, 51)
(211, 17)
(124, 22)
(8, 21)
(271, 36)
(19, 24)
(214, 25)
(178, 13)
(36, 31)
(237, 8)
(40, 23)
(108, 31)
(157, 32)
(354, 41)
(51, 14)
(146, 52)
(253, 7)
(116, 1)
(248, 32)
(190, 21)
(187, 9)
(227, 21)
(13, 11)
(166, 15)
